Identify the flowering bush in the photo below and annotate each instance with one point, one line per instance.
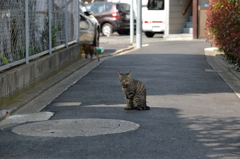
(223, 26)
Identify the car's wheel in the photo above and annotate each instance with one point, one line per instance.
(96, 38)
(107, 29)
(149, 34)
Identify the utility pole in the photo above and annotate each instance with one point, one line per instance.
(131, 23)
(139, 24)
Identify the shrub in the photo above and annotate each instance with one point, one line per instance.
(223, 26)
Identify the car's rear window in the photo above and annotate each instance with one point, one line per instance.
(108, 7)
(123, 7)
(100, 7)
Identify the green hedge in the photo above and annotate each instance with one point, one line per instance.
(223, 26)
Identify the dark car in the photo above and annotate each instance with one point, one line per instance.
(112, 16)
(89, 26)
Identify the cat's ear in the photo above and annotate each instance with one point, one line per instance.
(119, 73)
(129, 73)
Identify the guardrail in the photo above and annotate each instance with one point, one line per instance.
(30, 29)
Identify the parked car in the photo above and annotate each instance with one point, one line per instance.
(112, 16)
(89, 26)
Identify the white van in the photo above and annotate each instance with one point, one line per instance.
(153, 17)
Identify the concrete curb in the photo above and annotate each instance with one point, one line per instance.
(117, 52)
(38, 90)
(224, 69)
(219, 56)
(229, 66)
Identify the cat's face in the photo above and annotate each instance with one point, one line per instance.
(125, 79)
(85, 46)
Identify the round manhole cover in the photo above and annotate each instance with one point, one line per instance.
(75, 127)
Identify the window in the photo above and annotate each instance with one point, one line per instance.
(108, 7)
(155, 5)
(123, 7)
(204, 3)
(98, 8)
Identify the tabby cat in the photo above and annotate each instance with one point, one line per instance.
(135, 92)
(88, 49)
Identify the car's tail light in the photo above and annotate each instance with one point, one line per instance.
(116, 15)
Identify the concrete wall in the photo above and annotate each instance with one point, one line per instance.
(18, 80)
(176, 19)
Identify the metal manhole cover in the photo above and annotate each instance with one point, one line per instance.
(75, 127)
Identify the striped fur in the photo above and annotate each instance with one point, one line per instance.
(88, 49)
(135, 92)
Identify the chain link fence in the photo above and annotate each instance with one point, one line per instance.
(32, 28)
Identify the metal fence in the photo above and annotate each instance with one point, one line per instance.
(32, 28)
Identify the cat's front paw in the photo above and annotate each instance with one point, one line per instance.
(127, 108)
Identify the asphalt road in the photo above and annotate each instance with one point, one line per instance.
(194, 113)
